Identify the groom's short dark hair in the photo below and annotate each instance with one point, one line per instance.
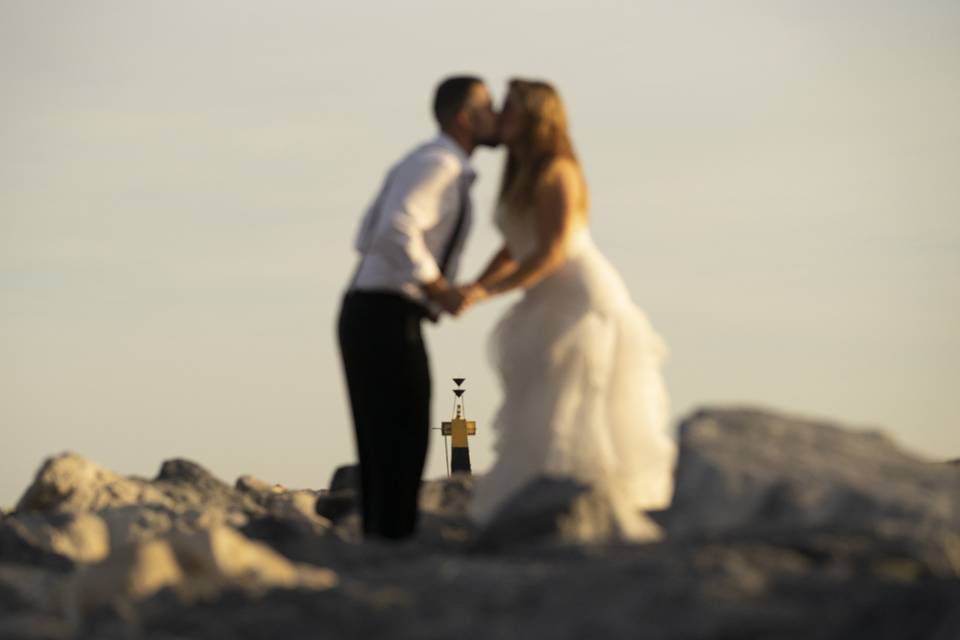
(451, 95)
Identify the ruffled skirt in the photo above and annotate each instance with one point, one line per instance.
(583, 396)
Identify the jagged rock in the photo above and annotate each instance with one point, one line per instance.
(18, 545)
(188, 498)
(196, 484)
(182, 470)
(340, 502)
(443, 497)
(290, 524)
(298, 505)
(447, 496)
(30, 626)
(222, 554)
(136, 523)
(31, 589)
(282, 503)
(191, 487)
(349, 526)
(131, 573)
(554, 509)
(69, 482)
(291, 527)
(341, 499)
(183, 497)
(256, 487)
(782, 528)
(55, 540)
(742, 468)
(334, 506)
(196, 565)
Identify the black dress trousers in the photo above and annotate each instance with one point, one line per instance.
(388, 376)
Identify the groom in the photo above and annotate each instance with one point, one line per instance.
(410, 241)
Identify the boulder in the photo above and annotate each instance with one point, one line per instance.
(341, 499)
(189, 486)
(223, 555)
(131, 573)
(562, 510)
(197, 565)
(345, 478)
(335, 506)
(31, 589)
(70, 482)
(31, 626)
(773, 533)
(137, 523)
(284, 504)
(256, 488)
(298, 505)
(290, 524)
(183, 497)
(180, 470)
(444, 497)
(448, 497)
(749, 468)
(53, 540)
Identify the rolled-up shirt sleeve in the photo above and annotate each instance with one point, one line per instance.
(411, 206)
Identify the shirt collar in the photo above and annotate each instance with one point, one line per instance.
(449, 143)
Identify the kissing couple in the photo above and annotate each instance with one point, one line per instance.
(579, 364)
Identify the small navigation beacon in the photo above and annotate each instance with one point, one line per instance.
(458, 429)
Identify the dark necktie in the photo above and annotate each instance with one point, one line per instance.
(454, 240)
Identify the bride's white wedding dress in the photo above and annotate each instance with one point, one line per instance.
(583, 395)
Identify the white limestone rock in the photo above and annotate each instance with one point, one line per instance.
(54, 539)
(70, 482)
(742, 468)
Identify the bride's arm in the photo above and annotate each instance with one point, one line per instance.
(555, 218)
(501, 265)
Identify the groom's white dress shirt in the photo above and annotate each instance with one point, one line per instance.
(406, 230)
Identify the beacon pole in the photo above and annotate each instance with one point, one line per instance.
(458, 428)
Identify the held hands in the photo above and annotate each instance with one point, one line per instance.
(450, 300)
(470, 295)
(455, 300)
(443, 295)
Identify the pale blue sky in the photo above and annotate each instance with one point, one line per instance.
(779, 183)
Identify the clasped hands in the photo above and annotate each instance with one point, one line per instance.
(456, 300)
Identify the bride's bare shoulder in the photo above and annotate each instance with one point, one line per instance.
(561, 169)
(560, 174)
(563, 180)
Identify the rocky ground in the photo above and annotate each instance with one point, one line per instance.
(780, 528)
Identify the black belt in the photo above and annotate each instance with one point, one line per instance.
(414, 307)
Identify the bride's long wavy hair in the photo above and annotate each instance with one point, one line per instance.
(545, 138)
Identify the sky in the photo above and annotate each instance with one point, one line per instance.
(180, 183)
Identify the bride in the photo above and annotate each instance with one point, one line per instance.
(579, 363)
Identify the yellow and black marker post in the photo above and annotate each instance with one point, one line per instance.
(459, 428)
